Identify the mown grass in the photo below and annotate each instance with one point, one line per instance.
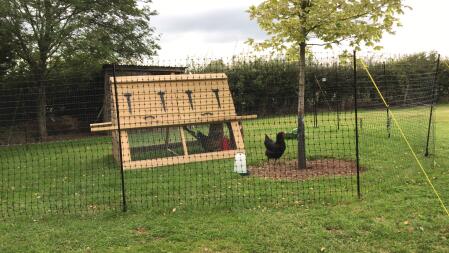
(398, 211)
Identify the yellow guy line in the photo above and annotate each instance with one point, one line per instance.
(405, 138)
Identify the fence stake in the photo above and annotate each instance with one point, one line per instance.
(122, 174)
(336, 100)
(384, 82)
(434, 97)
(356, 124)
(315, 112)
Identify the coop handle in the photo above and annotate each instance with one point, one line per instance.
(206, 113)
(149, 117)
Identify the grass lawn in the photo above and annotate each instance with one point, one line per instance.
(398, 211)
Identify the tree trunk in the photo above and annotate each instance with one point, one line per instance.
(42, 111)
(301, 96)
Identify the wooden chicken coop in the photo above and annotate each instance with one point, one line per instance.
(131, 70)
(171, 103)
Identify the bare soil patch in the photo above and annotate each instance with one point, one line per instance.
(317, 168)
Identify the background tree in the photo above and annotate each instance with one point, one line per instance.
(293, 24)
(48, 34)
(7, 58)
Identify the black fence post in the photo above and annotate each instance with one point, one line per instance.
(356, 124)
(117, 114)
(384, 82)
(337, 103)
(434, 98)
(315, 111)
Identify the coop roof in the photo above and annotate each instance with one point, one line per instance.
(142, 69)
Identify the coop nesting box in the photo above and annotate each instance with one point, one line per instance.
(153, 108)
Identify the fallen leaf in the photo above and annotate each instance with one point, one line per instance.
(141, 231)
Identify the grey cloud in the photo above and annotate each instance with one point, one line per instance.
(219, 25)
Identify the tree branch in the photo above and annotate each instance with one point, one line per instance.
(34, 26)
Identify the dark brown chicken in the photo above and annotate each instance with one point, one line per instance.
(274, 150)
(215, 141)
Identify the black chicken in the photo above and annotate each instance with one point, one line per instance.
(275, 149)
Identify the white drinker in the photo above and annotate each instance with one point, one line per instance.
(240, 163)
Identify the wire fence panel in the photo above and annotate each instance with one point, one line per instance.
(206, 134)
(410, 95)
(192, 156)
(66, 170)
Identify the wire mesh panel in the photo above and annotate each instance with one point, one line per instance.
(212, 133)
(50, 162)
(170, 177)
(409, 93)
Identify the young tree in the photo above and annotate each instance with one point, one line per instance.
(46, 33)
(293, 24)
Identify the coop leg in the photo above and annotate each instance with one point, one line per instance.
(237, 135)
(183, 141)
(126, 150)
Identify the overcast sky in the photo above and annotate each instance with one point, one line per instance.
(219, 28)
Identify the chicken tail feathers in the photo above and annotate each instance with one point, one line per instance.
(269, 144)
